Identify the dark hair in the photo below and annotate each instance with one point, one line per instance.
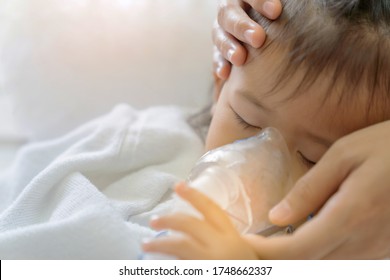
(349, 40)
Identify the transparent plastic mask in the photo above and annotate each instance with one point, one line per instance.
(246, 178)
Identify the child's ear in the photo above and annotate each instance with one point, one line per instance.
(218, 85)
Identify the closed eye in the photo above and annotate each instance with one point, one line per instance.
(243, 123)
(306, 161)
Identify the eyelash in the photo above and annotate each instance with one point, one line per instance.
(246, 125)
(243, 123)
(306, 162)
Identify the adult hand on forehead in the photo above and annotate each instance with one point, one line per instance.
(234, 26)
(350, 186)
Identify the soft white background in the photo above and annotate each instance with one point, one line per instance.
(63, 62)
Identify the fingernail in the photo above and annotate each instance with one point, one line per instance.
(248, 35)
(219, 70)
(269, 9)
(153, 220)
(230, 54)
(280, 212)
(181, 187)
(154, 217)
(146, 240)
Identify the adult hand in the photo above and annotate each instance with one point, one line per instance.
(350, 186)
(213, 237)
(233, 25)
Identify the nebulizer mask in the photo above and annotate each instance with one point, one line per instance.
(246, 179)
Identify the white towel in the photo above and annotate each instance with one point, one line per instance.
(90, 194)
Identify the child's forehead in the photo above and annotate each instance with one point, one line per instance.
(349, 48)
(271, 70)
(320, 104)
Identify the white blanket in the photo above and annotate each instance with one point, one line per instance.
(90, 194)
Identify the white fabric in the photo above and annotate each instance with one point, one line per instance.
(90, 193)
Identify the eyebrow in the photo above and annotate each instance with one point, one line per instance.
(250, 97)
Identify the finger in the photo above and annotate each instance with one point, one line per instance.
(334, 232)
(314, 240)
(176, 245)
(327, 234)
(197, 229)
(314, 188)
(364, 214)
(236, 22)
(228, 46)
(268, 8)
(221, 66)
(208, 208)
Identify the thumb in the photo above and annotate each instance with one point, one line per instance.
(312, 190)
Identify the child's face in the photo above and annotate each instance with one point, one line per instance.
(308, 124)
